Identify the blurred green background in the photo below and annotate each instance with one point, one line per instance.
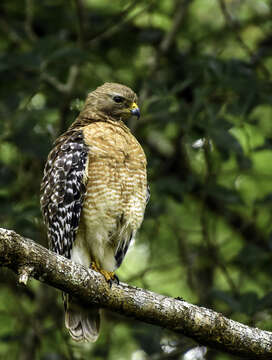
(203, 73)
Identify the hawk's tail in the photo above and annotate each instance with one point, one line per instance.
(83, 323)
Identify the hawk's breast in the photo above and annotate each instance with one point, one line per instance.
(116, 184)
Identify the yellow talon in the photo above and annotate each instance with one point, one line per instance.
(108, 275)
(95, 266)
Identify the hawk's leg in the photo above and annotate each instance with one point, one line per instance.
(108, 275)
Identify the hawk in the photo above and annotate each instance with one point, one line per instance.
(94, 192)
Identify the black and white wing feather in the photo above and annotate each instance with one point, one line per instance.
(63, 190)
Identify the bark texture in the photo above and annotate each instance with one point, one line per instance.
(208, 327)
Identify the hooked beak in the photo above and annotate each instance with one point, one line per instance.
(135, 110)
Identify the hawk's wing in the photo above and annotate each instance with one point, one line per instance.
(63, 191)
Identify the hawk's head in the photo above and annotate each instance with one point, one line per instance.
(116, 100)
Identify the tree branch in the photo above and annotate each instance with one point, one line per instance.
(27, 258)
(235, 27)
(64, 88)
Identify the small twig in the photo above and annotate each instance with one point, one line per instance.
(81, 21)
(211, 172)
(29, 19)
(234, 25)
(114, 26)
(165, 44)
(61, 87)
(180, 14)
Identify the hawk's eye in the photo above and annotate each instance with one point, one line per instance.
(118, 99)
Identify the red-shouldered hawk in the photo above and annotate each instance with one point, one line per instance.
(94, 192)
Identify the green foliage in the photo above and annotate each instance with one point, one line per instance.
(203, 74)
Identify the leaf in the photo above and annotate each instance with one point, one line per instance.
(225, 142)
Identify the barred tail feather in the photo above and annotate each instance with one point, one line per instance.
(83, 323)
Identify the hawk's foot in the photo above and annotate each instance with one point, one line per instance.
(108, 275)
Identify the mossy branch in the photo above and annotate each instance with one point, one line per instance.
(207, 327)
